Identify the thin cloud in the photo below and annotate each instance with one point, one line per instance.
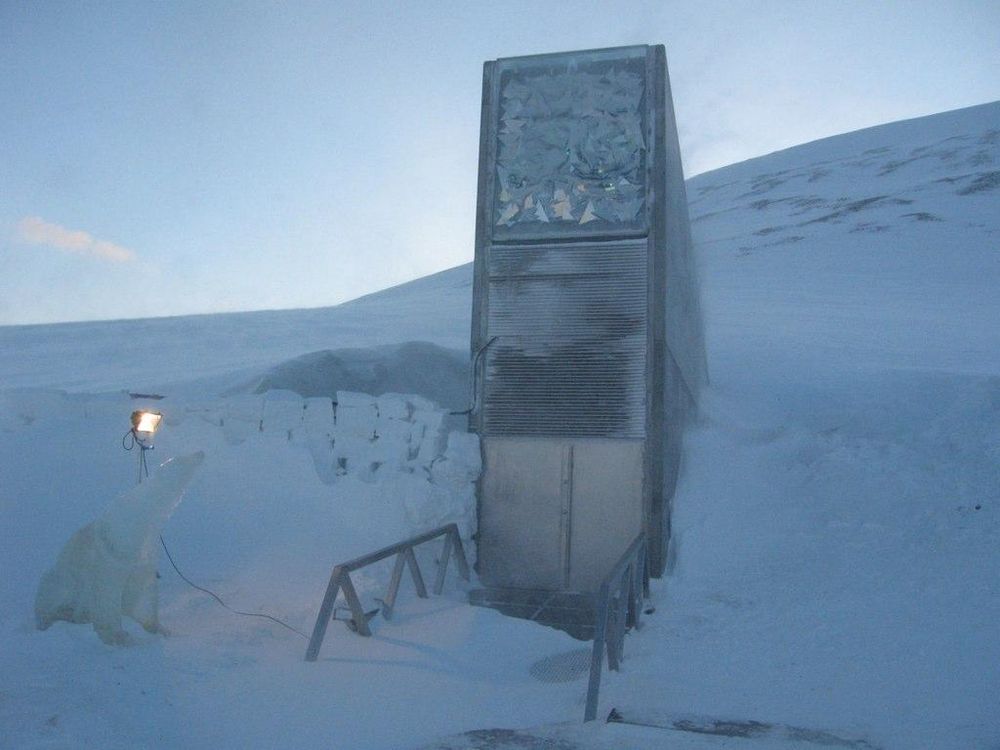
(34, 230)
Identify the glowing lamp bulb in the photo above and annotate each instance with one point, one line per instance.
(146, 421)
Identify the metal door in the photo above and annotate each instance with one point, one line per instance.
(524, 516)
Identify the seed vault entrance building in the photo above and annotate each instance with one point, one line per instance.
(586, 330)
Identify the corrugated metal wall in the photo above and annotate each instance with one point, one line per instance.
(570, 354)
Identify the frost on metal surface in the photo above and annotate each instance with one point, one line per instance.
(570, 357)
(571, 145)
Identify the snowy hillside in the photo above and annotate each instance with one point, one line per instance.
(837, 525)
(147, 354)
(879, 248)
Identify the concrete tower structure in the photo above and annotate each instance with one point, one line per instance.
(586, 333)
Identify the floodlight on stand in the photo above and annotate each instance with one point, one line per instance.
(146, 421)
(144, 426)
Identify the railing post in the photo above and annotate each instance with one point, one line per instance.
(644, 562)
(597, 655)
(325, 613)
(617, 607)
(633, 611)
(622, 619)
(443, 564)
(357, 611)
(611, 635)
(418, 579)
(463, 564)
(340, 580)
(397, 576)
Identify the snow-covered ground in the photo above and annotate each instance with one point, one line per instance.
(837, 527)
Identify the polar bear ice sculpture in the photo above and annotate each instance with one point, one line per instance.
(108, 568)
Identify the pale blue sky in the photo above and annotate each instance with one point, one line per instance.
(167, 158)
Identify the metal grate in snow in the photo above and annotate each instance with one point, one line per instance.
(564, 667)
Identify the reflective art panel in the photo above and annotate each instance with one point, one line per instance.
(571, 145)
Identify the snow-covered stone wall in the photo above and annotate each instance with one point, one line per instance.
(392, 439)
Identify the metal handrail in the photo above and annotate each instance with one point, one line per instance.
(340, 579)
(617, 608)
(474, 380)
